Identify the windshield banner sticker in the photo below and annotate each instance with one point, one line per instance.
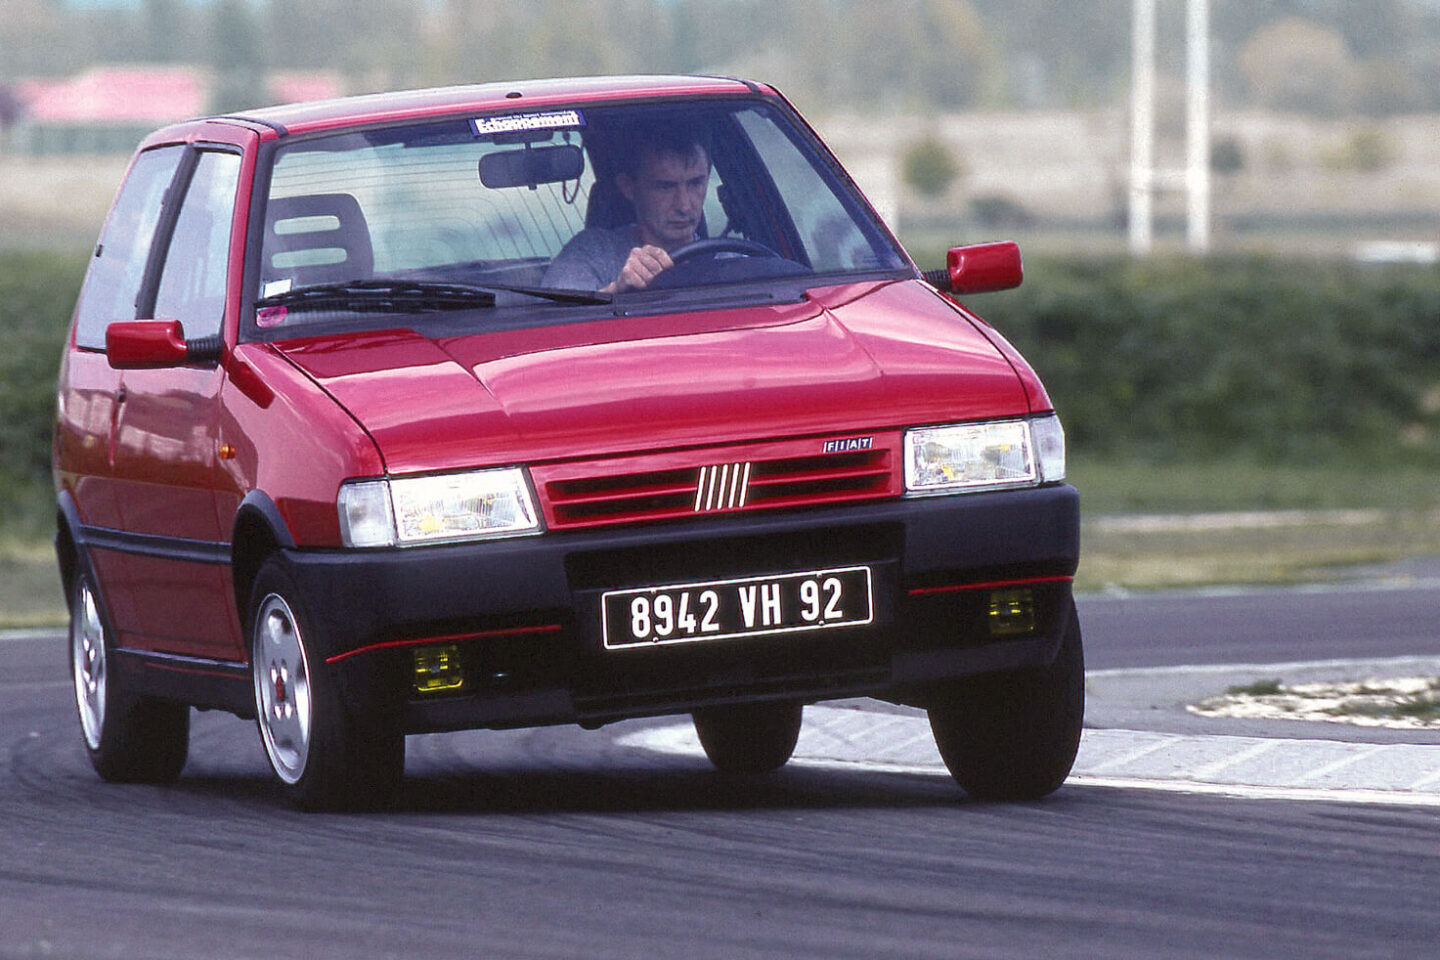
(522, 122)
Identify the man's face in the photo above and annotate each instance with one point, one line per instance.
(668, 194)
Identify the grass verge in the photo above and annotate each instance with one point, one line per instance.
(30, 594)
(1149, 526)
(1294, 547)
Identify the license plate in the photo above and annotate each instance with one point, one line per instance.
(746, 607)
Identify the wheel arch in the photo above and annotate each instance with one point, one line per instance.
(67, 543)
(258, 532)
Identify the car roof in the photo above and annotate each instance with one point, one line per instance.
(519, 95)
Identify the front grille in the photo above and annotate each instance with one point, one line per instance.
(674, 485)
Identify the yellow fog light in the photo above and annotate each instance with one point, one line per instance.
(437, 669)
(1011, 613)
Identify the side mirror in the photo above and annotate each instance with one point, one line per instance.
(979, 268)
(148, 344)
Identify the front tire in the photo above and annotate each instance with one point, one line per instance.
(1014, 735)
(129, 738)
(749, 737)
(326, 754)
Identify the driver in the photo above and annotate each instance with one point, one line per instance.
(665, 178)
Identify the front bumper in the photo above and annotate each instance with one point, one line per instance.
(523, 615)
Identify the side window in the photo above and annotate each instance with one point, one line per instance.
(192, 284)
(716, 219)
(113, 281)
(829, 230)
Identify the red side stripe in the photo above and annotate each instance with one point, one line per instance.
(454, 638)
(992, 585)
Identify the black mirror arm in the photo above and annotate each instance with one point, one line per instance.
(204, 349)
(938, 278)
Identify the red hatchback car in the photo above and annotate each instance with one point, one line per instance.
(548, 402)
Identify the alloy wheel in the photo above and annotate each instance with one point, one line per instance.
(282, 688)
(87, 649)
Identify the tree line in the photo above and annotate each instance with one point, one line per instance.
(1318, 56)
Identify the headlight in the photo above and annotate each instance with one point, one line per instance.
(977, 456)
(449, 507)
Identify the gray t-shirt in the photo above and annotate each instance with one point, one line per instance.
(592, 258)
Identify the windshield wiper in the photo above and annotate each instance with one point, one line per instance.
(383, 296)
(557, 294)
(371, 296)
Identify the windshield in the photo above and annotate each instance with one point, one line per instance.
(547, 211)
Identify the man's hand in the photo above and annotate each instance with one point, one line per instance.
(642, 266)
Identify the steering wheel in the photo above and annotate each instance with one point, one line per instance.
(713, 245)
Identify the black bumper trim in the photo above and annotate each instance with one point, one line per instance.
(1033, 532)
(526, 611)
(907, 680)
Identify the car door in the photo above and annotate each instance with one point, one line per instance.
(90, 394)
(165, 461)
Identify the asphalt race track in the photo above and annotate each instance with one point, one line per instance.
(1395, 613)
(563, 843)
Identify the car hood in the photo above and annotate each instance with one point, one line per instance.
(851, 358)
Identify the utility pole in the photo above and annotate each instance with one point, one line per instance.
(1145, 179)
(1142, 127)
(1197, 125)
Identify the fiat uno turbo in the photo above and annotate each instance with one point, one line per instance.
(540, 403)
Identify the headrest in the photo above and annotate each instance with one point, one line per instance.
(316, 238)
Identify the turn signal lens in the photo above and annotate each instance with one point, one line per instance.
(366, 519)
(1049, 439)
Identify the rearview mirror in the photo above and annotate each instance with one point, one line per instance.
(979, 268)
(148, 344)
(531, 166)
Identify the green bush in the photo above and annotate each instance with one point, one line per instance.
(1364, 151)
(1227, 156)
(929, 167)
(1269, 360)
(37, 294)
